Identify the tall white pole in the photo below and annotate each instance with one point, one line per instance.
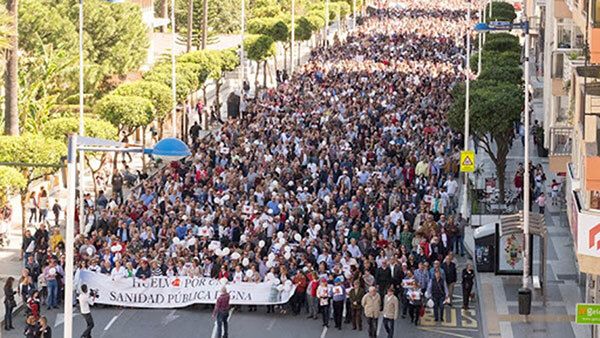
(353, 14)
(293, 38)
(81, 122)
(173, 73)
(326, 22)
(526, 197)
(480, 42)
(467, 102)
(242, 56)
(70, 233)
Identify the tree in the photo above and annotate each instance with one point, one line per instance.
(501, 11)
(125, 112)
(43, 23)
(115, 34)
(60, 128)
(11, 181)
(31, 149)
(11, 74)
(158, 93)
(226, 60)
(188, 77)
(503, 44)
(259, 48)
(495, 108)
(501, 73)
(223, 18)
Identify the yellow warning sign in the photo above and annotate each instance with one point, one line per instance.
(467, 161)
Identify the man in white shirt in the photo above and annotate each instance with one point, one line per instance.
(84, 306)
(451, 188)
(354, 249)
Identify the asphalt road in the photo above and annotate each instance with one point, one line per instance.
(196, 322)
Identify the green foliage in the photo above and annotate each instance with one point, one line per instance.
(303, 29)
(318, 8)
(259, 47)
(223, 18)
(11, 181)
(158, 93)
(494, 109)
(60, 128)
(32, 149)
(490, 58)
(269, 11)
(230, 59)
(276, 28)
(316, 21)
(345, 9)
(188, 77)
(115, 34)
(501, 73)
(501, 11)
(503, 44)
(41, 23)
(6, 30)
(125, 112)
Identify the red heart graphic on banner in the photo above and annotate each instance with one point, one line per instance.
(176, 282)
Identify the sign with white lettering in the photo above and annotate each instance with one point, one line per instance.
(174, 292)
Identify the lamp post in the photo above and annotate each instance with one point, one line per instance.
(173, 71)
(526, 195)
(326, 23)
(353, 14)
(293, 38)
(480, 41)
(242, 64)
(81, 122)
(169, 149)
(467, 108)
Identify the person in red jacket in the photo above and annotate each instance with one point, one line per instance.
(311, 296)
(301, 284)
(221, 313)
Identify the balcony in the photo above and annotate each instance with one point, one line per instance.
(561, 145)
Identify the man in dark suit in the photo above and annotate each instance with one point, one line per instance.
(383, 278)
(449, 268)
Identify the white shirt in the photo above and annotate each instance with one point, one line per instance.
(84, 303)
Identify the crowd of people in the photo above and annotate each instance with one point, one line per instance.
(342, 180)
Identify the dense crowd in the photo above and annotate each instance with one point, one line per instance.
(342, 180)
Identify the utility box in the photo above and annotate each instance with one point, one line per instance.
(485, 247)
(524, 301)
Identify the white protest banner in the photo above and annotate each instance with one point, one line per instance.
(173, 292)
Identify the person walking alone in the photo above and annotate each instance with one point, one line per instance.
(371, 302)
(468, 280)
(356, 295)
(221, 312)
(450, 272)
(85, 301)
(390, 312)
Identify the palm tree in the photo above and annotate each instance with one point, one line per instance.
(11, 76)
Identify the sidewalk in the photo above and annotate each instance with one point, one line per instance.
(499, 294)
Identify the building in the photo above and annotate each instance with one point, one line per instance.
(572, 107)
(147, 7)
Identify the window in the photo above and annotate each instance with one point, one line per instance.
(568, 35)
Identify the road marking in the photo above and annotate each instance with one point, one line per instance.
(270, 326)
(214, 331)
(169, 318)
(114, 319)
(444, 332)
(324, 332)
(60, 318)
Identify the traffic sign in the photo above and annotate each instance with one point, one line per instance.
(588, 314)
(467, 161)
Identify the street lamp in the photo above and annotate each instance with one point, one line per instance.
(168, 149)
(242, 65)
(293, 38)
(465, 203)
(173, 72)
(326, 23)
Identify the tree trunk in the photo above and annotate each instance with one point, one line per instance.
(23, 210)
(256, 76)
(164, 13)
(265, 74)
(299, 55)
(204, 23)
(190, 25)
(95, 171)
(285, 50)
(503, 148)
(11, 77)
(275, 61)
(143, 147)
(218, 85)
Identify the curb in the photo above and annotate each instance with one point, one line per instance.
(479, 298)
